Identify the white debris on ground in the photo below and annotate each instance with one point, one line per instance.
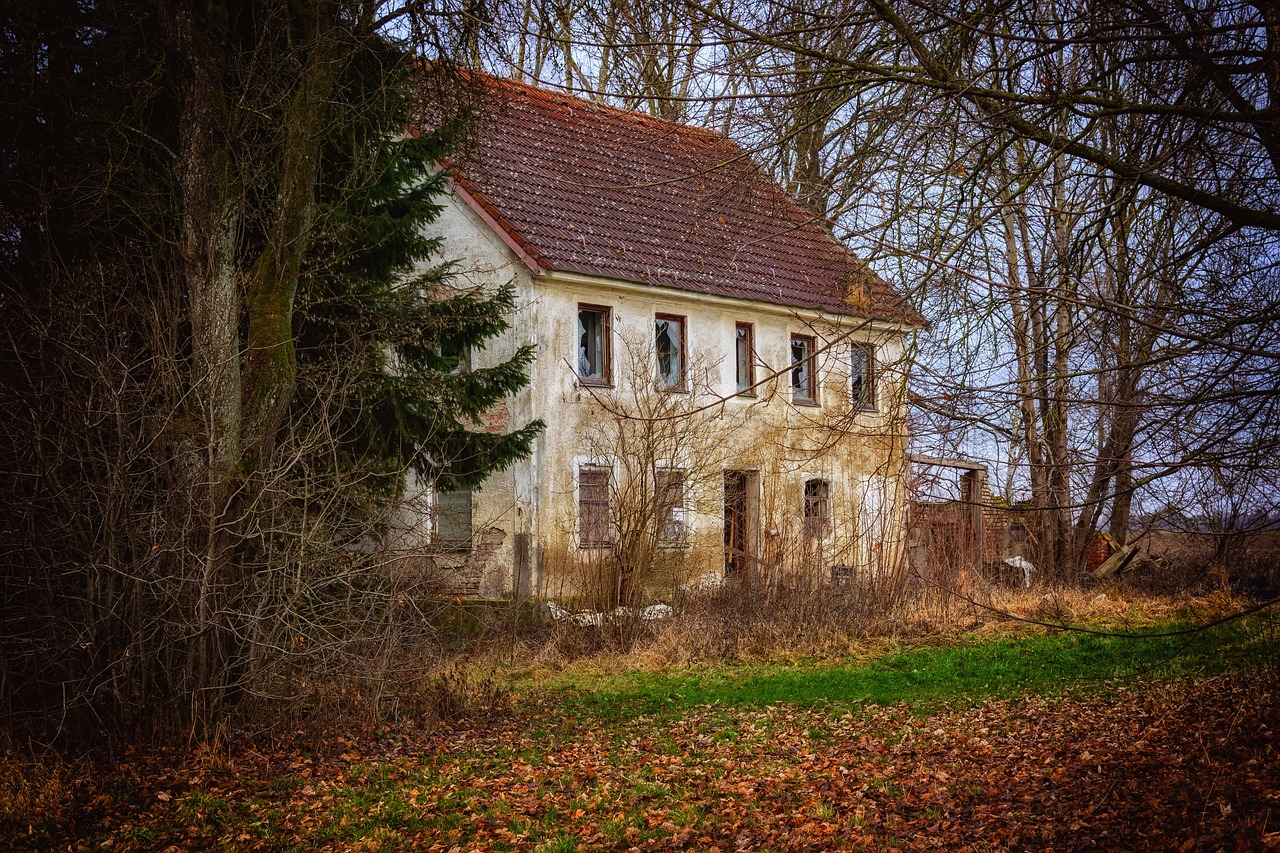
(596, 617)
(1023, 565)
(711, 580)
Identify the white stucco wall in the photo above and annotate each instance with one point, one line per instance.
(781, 443)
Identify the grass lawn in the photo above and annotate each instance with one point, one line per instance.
(1047, 740)
(1043, 663)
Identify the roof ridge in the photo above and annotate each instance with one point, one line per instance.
(560, 95)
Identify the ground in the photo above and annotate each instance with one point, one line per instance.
(1044, 741)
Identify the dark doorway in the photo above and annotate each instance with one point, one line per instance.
(735, 523)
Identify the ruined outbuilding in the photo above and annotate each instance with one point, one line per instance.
(969, 529)
(719, 376)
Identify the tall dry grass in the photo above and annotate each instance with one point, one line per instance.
(740, 623)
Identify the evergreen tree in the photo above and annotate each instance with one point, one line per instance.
(211, 223)
(384, 335)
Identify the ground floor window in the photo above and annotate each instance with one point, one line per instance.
(593, 508)
(453, 520)
(670, 506)
(817, 507)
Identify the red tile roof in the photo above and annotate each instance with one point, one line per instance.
(581, 187)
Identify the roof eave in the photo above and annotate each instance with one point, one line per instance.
(567, 275)
(491, 217)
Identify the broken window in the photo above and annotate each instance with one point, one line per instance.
(593, 508)
(862, 391)
(744, 357)
(593, 344)
(803, 385)
(453, 520)
(670, 495)
(669, 344)
(817, 507)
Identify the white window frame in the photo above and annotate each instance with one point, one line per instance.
(673, 523)
(807, 366)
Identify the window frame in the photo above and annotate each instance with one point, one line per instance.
(816, 508)
(673, 514)
(744, 361)
(811, 397)
(460, 356)
(866, 401)
(453, 544)
(605, 379)
(593, 517)
(682, 325)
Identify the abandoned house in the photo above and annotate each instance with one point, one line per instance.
(719, 376)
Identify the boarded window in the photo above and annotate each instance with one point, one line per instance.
(593, 345)
(453, 520)
(669, 344)
(670, 495)
(803, 386)
(744, 357)
(593, 508)
(817, 507)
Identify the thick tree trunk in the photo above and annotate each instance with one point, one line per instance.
(270, 365)
(240, 307)
(211, 196)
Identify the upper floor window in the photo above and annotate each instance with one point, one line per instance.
(668, 337)
(817, 507)
(593, 345)
(593, 508)
(804, 387)
(670, 494)
(862, 390)
(453, 520)
(744, 349)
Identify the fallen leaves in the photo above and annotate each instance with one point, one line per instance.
(1191, 765)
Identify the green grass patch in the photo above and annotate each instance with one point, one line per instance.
(1046, 663)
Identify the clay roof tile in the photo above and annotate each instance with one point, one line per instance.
(587, 188)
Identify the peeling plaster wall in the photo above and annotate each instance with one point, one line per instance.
(526, 518)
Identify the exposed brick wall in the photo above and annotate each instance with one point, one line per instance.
(948, 526)
(460, 572)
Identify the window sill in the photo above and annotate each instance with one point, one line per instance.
(453, 547)
(812, 404)
(666, 390)
(595, 383)
(750, 395)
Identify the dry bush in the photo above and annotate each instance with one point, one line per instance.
(738, 621)
(457, 691)
(38, 788)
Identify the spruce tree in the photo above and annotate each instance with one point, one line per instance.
(384, 332)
